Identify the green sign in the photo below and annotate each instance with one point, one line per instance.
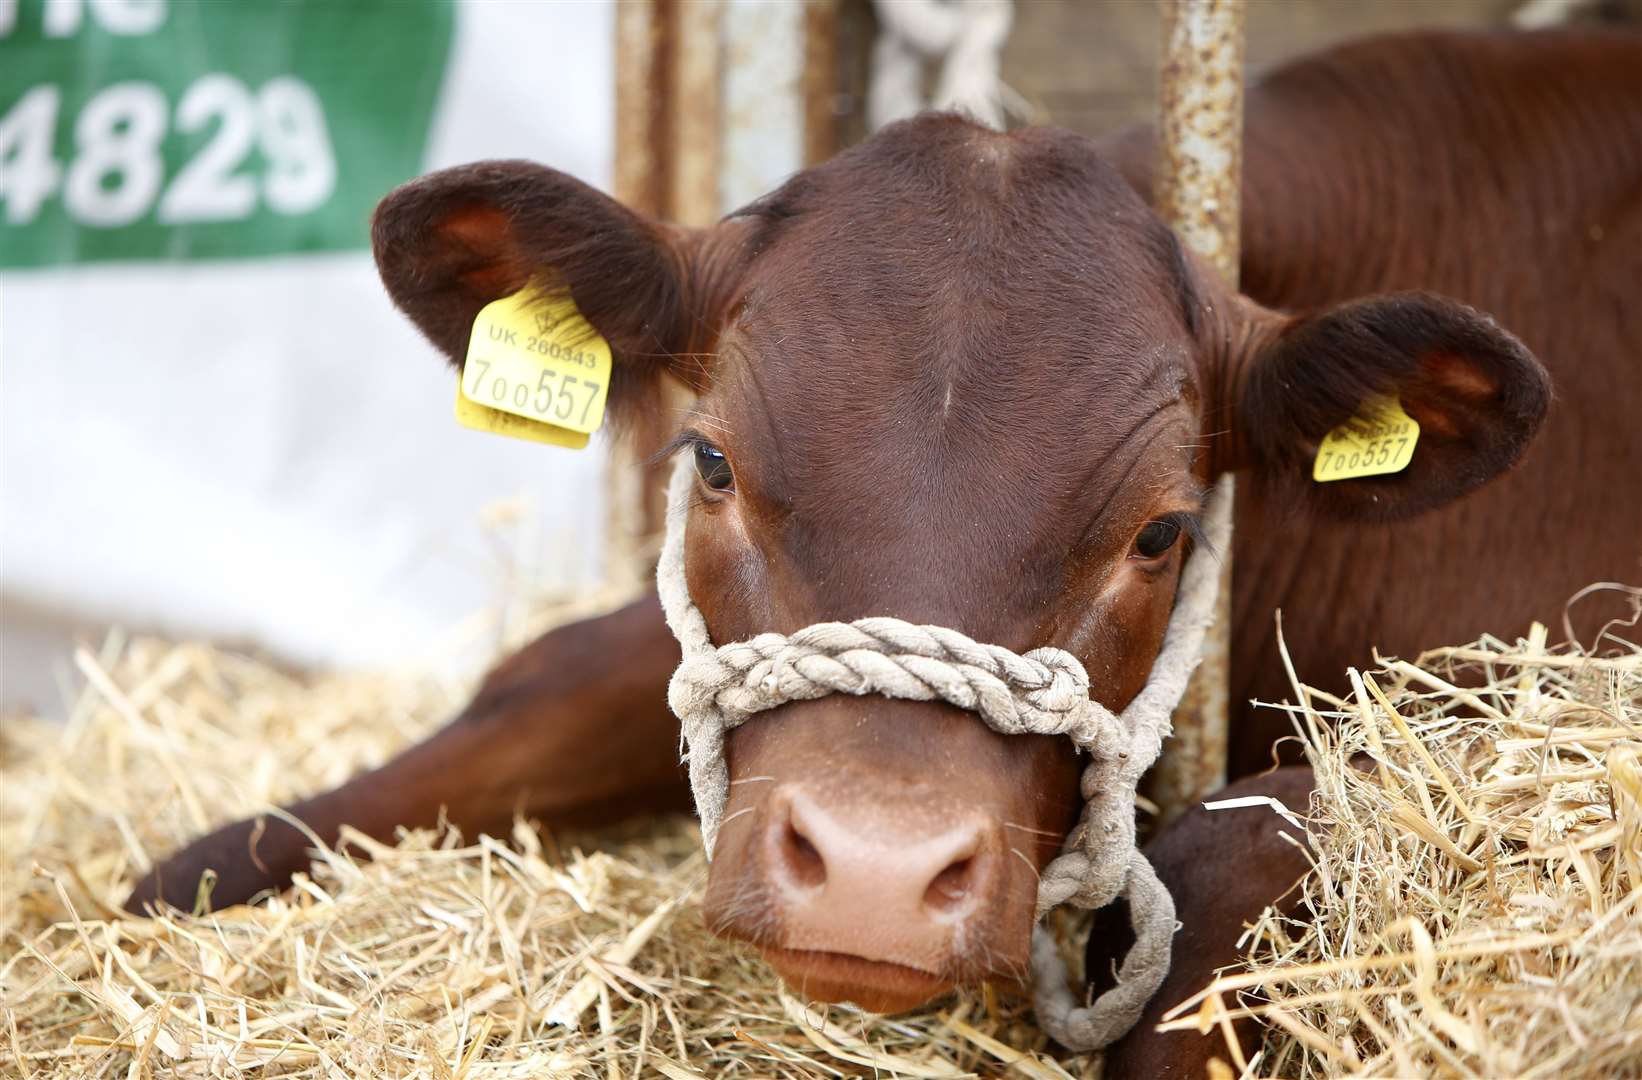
(188, 129)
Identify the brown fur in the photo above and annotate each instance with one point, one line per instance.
(1505, 171)
(955, 373)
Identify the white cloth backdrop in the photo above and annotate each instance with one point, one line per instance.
(262, 449)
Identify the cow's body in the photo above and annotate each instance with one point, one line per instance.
(1506, 177)
(1503, 171)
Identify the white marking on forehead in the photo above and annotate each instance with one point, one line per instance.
(946, 402)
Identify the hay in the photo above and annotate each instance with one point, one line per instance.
(1475, 902)
(1480, 891)
(438, 957)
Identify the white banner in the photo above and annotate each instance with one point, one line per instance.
(259, 447)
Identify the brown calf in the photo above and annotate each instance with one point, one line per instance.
(966, 378)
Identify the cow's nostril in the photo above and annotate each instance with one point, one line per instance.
(800, 860)
(956, 888)
(950, 885)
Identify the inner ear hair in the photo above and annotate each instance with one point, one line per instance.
(484, 256)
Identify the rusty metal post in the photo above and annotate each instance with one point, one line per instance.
(642, 181)
(1197, 193)
(716, 102)
(820, 84)
(666, 166)
(763, 133)
(695, 110)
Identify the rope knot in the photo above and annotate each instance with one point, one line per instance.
(1065, 686)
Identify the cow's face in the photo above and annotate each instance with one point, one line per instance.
(958, 378)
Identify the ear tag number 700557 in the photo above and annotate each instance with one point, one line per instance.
(535, 370)
(1378, 440)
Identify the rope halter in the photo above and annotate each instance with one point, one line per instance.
(1045, 691)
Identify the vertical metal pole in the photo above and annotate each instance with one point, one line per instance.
(643, 181)
(717, 101)
(640, 178)
(820, 84)
(1197, 193)
(668, 60)
(764, 107)
(695, 100)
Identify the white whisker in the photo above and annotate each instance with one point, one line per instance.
(1028, 862)
(1028, 828)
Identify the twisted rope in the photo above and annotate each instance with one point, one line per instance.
(1046, 691)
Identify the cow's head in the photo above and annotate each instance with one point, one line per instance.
(959, 378)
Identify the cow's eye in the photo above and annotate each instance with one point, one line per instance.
(1156, 539)
(714, 468)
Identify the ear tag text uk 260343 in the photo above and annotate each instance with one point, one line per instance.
(535, 370)
(1378, 440)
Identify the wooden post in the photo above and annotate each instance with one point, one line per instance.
(1197, 193)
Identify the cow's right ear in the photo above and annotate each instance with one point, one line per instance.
(1477, 393)
(451, 242)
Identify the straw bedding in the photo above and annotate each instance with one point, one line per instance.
(442, 956)
(1480, 890)
(1475, 902)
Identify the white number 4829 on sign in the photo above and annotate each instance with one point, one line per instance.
(117, 169)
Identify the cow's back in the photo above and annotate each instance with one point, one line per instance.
(1504, 170)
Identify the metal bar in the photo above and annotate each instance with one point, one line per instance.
(763, 125)
(715, 104)
(1201, 127)
(646, 178)
(638, 172)
(820, 80)
(1197, 193)
(695, 120)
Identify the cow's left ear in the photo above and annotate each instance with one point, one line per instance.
(1478, 394)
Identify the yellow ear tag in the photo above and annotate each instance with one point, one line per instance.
(1379, 439)
(535, 370)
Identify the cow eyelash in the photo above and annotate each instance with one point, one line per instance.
(688, 439)
(1161, 535)
(1191, 524)
(712, 466)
